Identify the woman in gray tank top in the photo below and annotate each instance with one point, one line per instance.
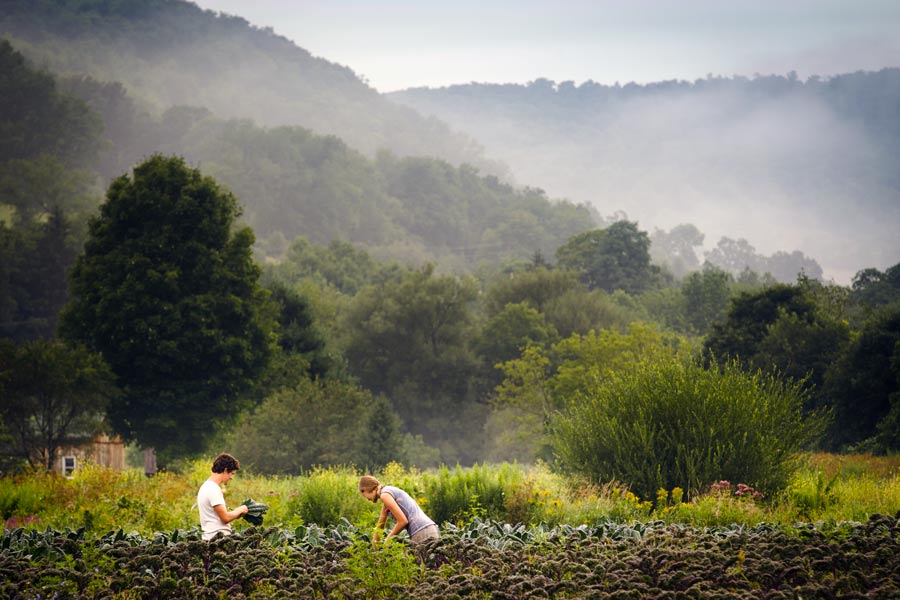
(400, 505)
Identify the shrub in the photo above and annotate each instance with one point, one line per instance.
(379, 570)
(20, 498)
(326, 495)
(672, 423)
(463, 495)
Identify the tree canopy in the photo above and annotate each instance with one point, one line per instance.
(615, 258)
(51, 395)
(168, 292)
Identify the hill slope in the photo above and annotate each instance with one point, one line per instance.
(290, 181)
(781, 162)
(171, 52)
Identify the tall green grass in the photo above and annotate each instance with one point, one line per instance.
(825, 487)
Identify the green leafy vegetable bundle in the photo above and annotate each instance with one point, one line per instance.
(255, 511)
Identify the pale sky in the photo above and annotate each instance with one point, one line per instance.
(396, 44)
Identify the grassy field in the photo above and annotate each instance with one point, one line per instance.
(825, 487)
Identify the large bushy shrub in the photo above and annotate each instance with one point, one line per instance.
(673, 423)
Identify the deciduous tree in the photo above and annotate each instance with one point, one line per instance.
(168, 292)
(409, 339)
(50, 395)
(864, 384)
(706, 296)
(615, 258)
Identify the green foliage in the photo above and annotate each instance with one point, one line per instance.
(235, 69)
(749, 317)
(35, 188)
(298, 335)
(615, 258)
(167, 291)
(34, 264)
(872, 288)
(408, 340)
(51, 395)
(416, 453)
(339, 264)
(803, 350)
(864, 383)
(739, 258)
(583, 361)
(706, 296)
(328, 496)
(542, 382)
(38, 119)
(20, 496)
(672, 423)
(461, 495)
(414, 210)
(811, 493)
(795, 331)
(314, 423)
(666, 306)
(505, 335)
(676, 249)
(565, 304)
(579, 311)
(379, 570)
(294, 182)
(485, 559)
(45, 138)
(535, 288)
(859, 486)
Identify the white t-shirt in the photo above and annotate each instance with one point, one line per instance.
(210, 495)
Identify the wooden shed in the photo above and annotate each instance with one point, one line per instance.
(101, 450)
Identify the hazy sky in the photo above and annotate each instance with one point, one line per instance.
(396, 44)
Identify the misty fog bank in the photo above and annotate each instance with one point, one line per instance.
(787, 165)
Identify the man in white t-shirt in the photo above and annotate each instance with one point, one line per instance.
(214, 516)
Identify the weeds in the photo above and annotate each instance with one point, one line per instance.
(825, 488)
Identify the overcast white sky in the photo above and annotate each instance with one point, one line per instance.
(395, 44)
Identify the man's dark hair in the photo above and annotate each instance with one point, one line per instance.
(225, 462)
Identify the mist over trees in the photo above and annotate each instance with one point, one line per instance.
(407, 307)
(789, 165)
(224, 64)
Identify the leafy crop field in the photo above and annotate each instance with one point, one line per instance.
(507, 532)
(480, 560)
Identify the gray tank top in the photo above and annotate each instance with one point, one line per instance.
(417, 519)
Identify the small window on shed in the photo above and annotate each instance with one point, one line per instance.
(69, 464)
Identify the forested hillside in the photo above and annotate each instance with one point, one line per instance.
(250, 108)
(303, 300)
(170, 53)
(289, 180)
(784, 163)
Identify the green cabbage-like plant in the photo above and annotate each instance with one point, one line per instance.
(255, 511)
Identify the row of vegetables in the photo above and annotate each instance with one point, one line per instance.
(484, 559)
